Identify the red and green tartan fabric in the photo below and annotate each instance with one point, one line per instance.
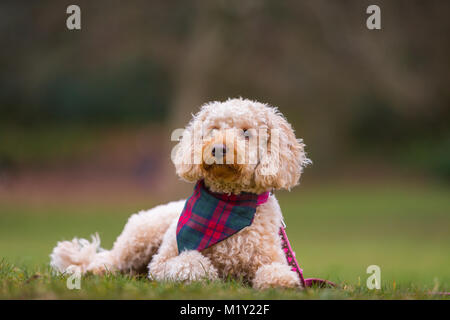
(209, 217)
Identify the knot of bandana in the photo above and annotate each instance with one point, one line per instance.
(209, 217)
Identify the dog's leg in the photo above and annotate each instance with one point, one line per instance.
(132, 250)
(275, 275)
(272, 269)
(188, 266)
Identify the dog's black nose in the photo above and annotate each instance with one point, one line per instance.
(219, 150)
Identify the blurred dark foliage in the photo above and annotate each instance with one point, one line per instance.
(126, 94)
(347, 90)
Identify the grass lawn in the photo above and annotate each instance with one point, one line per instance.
(337, 232)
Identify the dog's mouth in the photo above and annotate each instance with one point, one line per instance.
(222, 171)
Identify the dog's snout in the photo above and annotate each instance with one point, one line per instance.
(219, 150)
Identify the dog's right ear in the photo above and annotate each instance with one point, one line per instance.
(187, 156)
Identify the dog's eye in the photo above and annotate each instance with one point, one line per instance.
(212, 131)
(246, 134)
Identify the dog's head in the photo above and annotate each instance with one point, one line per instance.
(240, 146)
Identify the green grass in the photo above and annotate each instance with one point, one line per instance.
(40, 283)
(337, 232)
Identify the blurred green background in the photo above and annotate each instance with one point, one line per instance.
(86, 118)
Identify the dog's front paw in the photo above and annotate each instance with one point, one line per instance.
(275, 275)
(187, 267)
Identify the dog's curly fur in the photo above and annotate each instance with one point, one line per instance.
(254, 254)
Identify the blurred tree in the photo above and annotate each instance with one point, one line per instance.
(341, 85)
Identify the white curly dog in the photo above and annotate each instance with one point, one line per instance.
(254, 254)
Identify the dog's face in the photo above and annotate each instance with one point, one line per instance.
(240, 145)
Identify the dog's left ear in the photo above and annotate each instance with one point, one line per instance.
(282, 161)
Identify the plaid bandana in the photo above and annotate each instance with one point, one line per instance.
(209, 217)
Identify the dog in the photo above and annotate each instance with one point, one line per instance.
(223, 166)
